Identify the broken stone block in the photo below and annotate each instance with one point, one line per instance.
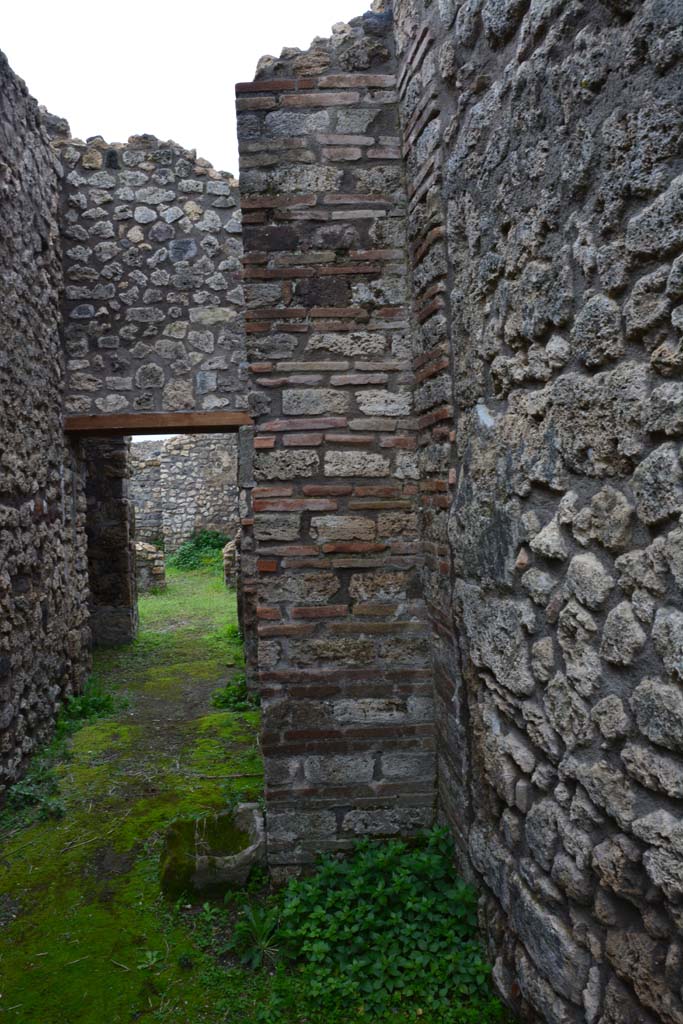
(213, 854)
(549, 542)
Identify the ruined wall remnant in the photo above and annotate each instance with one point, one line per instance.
(153, 306)
(343, 656)
(110, 528)
(182, 485)
(543, 154)
(150, 567)
(43, 573)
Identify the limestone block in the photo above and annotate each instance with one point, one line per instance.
(667, 635)
(496, 635)
(327, 529)
(313, 401)
(355, 464)
(597, 333)
(285, 465)
(654, 769)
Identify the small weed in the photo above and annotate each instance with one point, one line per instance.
(39, 789)
(93, 703)
(256, 935)
(151, 959)
(235, 696)
(228, 643)
(209, 914)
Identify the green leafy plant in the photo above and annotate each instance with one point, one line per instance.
(94, 702)
(228, 642)
(256, 935)
(203, 550)
(39, 789)
(37, 794)
(391, 930)
(210, 913)
(151, 959)
(235, 696)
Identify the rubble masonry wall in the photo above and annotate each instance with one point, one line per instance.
(543, 157)
(43, 566)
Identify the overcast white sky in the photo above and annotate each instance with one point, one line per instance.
(165, 67)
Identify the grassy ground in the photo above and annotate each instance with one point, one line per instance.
(85, 935)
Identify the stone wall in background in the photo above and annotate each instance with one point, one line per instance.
(543, 147)
(145, 490)
(153, 307)
(184, 484)
(110, 528)
(329, 548)
(199, 486)
(43, 570)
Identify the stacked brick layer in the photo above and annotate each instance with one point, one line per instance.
(43, 571)
(330, 550)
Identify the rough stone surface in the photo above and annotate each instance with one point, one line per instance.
(153, 306)
(461, 496)
(150, 567)
(43, 564)
(184, 484)
(110, 529)
(542, 147)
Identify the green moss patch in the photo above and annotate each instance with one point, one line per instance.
(85, 932)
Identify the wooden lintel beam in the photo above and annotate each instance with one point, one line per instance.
(157, 423)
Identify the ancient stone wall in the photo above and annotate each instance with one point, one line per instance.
(145, 490)
(330, 545)
(43, 572)
(199, 486)
(543, 152)
(184, 484)
(153, 308)
(110, 527)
